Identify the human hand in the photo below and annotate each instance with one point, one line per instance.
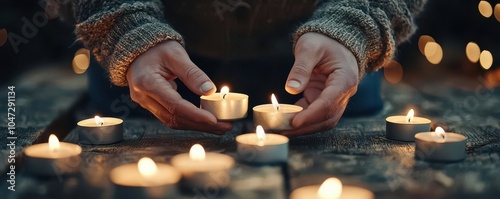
(327, 74)
(151, 81)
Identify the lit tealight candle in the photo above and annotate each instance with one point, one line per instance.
(440, 146)
(331, 188)
(146, 179)
(52, 158)
(200, 169)
(275, 116)
(100, 130)
(262, 148)
(226, 105)
(404, 128)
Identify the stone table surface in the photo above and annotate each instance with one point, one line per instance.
(355, 151)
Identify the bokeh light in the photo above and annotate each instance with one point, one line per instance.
(492, 78)
(433, 52)
(497, 12)
(422, 41)
(472, 51)
(3, 36)
(393, 72)
(81, 61)
(485, 9)
(486, 59)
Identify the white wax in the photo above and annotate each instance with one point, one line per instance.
(108, 121)
(212, 162)
(450, 137)
(43, 151)
(271, 139)
(401, 119)
(348, 192)
(229, 97)
(129, 175)
(284, 108)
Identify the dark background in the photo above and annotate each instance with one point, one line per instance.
(451, 23)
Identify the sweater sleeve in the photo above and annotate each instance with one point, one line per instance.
(371, 29)
(117, 31)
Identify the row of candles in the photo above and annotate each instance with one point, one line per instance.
(198, 167)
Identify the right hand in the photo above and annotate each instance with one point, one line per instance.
(151, 81)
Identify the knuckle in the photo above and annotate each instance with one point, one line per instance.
(192, 72)
(301, 69)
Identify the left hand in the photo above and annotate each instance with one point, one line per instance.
(327, 74)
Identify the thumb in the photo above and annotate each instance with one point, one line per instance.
(301, 71)
(193, 77)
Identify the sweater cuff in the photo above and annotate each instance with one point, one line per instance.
(130, 36)
(357, 31)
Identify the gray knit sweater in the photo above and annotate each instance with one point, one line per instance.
(117, 31)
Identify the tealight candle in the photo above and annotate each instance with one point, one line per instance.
(225, 105)
(331, 188)
(404, 128)
(262, 148)
(440, 146)
(52, 158)
(275, 116)
(97, 130)
(146, 179)
(200, 169)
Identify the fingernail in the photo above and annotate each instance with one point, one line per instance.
(207, 86)
(293, 84)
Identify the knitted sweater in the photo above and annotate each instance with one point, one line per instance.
(117, 31)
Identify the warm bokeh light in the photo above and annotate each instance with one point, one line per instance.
(197, 152)
(54, 144)
(433, 52)
(81, 61)
(3, 36)
(472, 51)
(485, 9)
(147, 167)
(486, 59)
(330, 189)
(440, 134)
(224, 91)
(98, 120)
(276, 105)
(393, 72)
(497, 12)
(492, 78)
(422, 41)
(410, 115)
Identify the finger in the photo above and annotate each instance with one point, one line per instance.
(165, 94)
(192, 76)
(176, 122)
(322, 126)
(305, 61)
(330, 102)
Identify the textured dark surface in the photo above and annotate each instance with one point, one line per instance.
(355, 151)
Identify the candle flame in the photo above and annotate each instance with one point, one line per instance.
(261, 135)
(440, 134)
(276, 105)
(409, 116)
(98, 120)
(197, 152)
(54, 144)
(330, 189)
(224, 91)
(147, 167)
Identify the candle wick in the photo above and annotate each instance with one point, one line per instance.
(224, 96)
(101, 123)
(278, 108)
